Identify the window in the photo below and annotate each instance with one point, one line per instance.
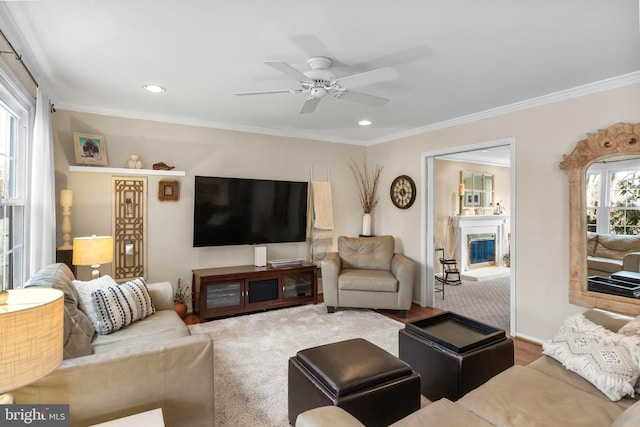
(15, 130)
(613, 198)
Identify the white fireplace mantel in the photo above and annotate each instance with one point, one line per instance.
(476, 224)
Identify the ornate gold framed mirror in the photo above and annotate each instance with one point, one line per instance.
(618, 140)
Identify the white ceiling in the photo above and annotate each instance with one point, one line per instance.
(454, 58)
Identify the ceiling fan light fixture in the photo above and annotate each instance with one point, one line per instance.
(365, 122)
(154, 88)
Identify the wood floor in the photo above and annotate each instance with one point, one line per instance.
(525, 351)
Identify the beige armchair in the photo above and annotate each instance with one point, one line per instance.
(366, 273)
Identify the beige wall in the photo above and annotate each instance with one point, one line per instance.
(541, 218)
(447, 201)
(542, 135)
(198, 151)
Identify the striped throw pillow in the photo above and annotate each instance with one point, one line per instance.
(121, 305)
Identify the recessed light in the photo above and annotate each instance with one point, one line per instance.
(364, 122)
(154, 88)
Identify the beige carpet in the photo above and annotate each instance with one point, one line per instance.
(251, 354)
(487, 301)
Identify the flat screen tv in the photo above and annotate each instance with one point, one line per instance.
(238, 211)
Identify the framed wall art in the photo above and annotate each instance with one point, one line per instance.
(168, 190)
(90, 149)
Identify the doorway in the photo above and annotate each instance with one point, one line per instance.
(443, 205)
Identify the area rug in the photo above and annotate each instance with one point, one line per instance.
(251, 353)
(487, 301)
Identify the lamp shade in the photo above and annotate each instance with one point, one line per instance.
(31, 336)
(92, 250)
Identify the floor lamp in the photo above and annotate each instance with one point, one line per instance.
(31, 321)
(93, 251)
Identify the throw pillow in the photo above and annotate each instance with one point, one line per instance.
(85, 289)
(119, 306)
(609, 361)
(632, 328)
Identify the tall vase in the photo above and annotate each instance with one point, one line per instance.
(366, 224)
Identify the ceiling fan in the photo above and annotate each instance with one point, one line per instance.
(319, 82)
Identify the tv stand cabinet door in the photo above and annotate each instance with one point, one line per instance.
(299, 285)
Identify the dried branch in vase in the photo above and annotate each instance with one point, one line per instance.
(367, 184)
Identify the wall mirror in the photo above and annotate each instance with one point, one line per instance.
(129, 225)
(614, 143)
(478, 189)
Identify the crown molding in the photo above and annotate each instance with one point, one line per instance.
(576, 92)
(588, 89)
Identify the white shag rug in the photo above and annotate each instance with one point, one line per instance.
(251, 354)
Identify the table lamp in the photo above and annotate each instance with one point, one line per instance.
(31, 338)
(93, 251)
(66, 201)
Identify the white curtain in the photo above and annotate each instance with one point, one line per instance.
(42, 218)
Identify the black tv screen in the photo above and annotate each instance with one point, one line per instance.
(237, 211)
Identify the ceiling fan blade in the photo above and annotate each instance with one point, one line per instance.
(287, 69)
(309, 105)
(267, 92)
(362, 98)
(368, 77)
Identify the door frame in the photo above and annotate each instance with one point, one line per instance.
(427, 226)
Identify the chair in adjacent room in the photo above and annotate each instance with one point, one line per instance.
(450, 275)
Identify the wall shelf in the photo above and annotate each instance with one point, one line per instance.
(125, 171)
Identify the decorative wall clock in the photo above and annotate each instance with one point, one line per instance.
(403, 192)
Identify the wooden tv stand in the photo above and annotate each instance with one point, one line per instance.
(227, 291)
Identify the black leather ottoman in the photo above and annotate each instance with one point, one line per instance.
(371, 384)
(454, 354)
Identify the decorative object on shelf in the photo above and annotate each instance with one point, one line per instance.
(134, 162)
(367, 187)
(403, 192)
(180, 299)
(93, 251)
(90, 149)
(461, 196)
(162, 166)
(31, 322)
(66, 201)
(168, 190)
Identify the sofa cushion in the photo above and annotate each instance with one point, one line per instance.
(119, 306)
(616, 246)
(629, 418)
(367, 280)
(521, 396)
(163, 326)
(608, 360)
(592, 241)
(442, 413)
(366, 253)
(607, 265)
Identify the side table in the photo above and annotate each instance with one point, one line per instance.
(454, 354)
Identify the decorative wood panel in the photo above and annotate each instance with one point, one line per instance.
(129, 228)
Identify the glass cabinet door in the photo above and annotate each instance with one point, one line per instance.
(221, 295)
(300, 285)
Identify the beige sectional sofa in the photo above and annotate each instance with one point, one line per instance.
(609, 253)
(152, 363)
(543, 393)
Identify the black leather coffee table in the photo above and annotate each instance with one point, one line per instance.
(454, 354)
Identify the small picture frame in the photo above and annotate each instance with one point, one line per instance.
(168, 190)
(90, 149)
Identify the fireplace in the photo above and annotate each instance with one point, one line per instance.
(481, 249)
(484, 235)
